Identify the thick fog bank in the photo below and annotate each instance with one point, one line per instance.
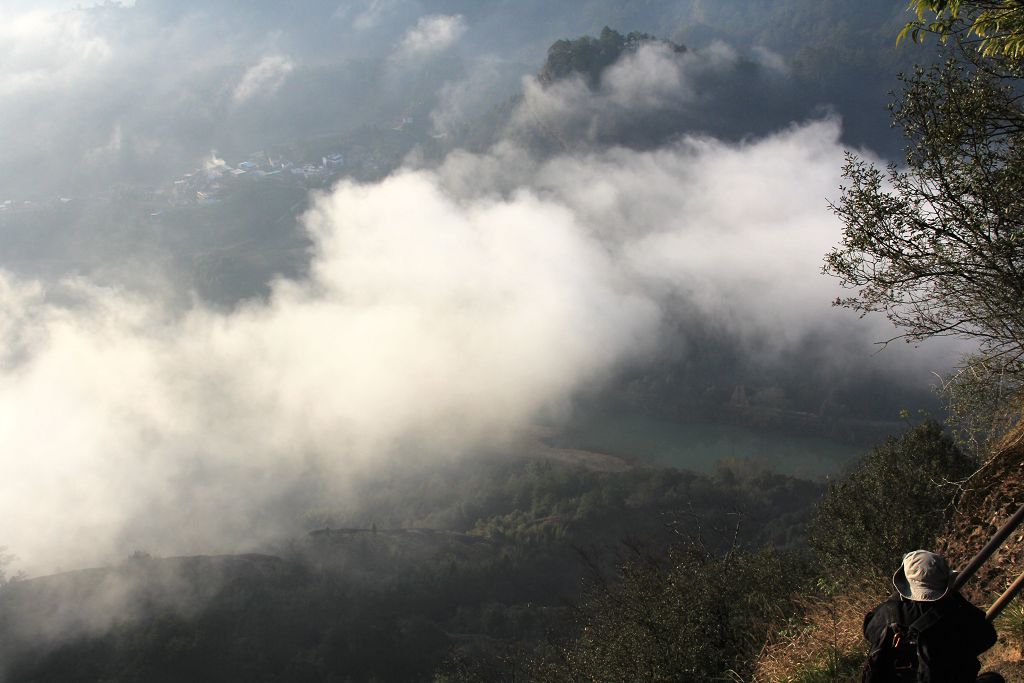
(445, 310)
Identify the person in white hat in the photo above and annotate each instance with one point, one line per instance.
(926, 632)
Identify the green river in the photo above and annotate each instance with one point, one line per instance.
(701, 446)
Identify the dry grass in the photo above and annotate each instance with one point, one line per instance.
(1013, 440)
(1010, 627)
(823, 642)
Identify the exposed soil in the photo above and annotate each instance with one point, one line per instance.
(992, 496)
(537, 445)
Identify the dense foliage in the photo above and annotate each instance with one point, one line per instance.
(939, 245)
(997, 26)
(694, 615)
(896, 499)
(690, 616)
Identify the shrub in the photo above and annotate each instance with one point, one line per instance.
(690, 617)
(894, 500)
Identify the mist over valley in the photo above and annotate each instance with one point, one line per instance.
(386, 325)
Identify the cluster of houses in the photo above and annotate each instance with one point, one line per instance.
(208, 185)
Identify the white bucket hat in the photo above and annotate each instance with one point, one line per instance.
(923, 576)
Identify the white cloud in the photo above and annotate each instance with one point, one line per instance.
(429, 326)
(262, 78)
(48, 49)
(367, 14)
(651, 79)
(444, 310)
(771, 60)
(647, 78)
(657, 90)
(489, 80)
(431, 34)
(699, 216)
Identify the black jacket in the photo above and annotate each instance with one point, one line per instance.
(953, 643)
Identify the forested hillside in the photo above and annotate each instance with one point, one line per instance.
(477, 560)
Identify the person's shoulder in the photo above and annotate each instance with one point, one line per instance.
(885, 613)
(890, 604)
(969, 621)
(955, 602)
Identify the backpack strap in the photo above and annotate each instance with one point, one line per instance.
(925, 621)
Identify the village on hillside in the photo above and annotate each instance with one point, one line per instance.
(208, 185)
(363, 155)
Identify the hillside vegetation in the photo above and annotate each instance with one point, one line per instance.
(415, 580)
